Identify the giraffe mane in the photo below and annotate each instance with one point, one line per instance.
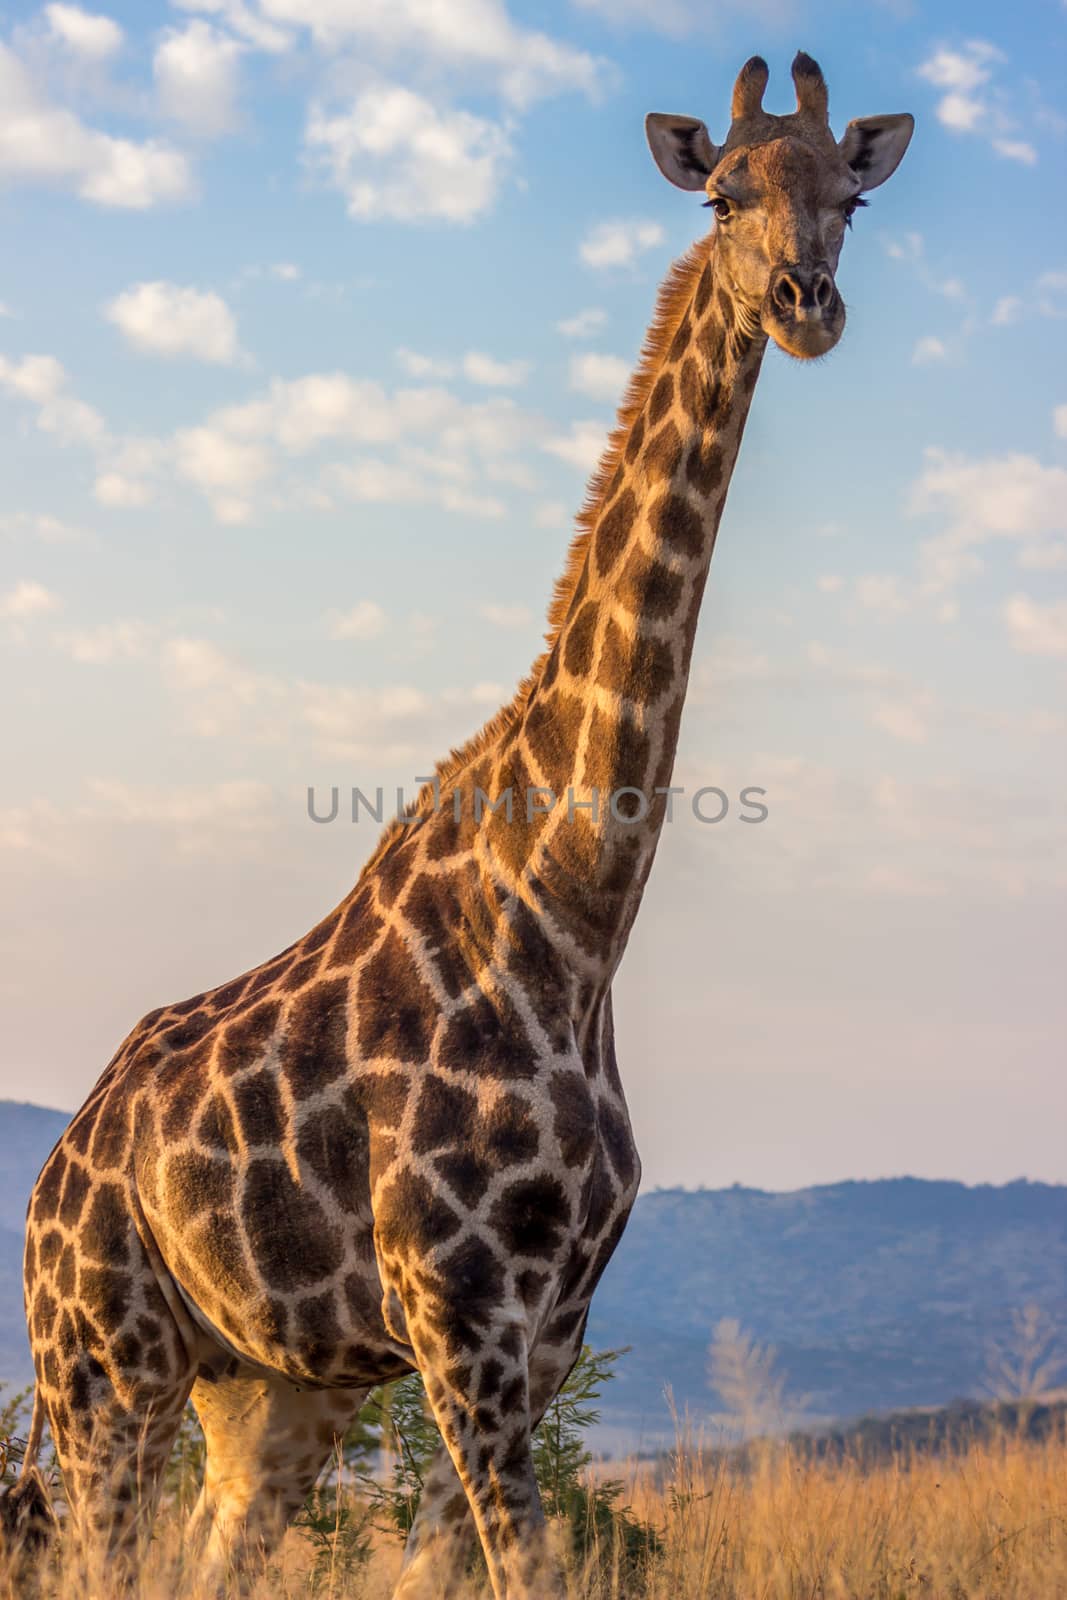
(673, 299)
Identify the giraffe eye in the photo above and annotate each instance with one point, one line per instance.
(851, 206)
(722, 208)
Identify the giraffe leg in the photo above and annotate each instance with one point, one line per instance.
(267, 1441)
(112, 1446)
(443, 1534)
(114, 1370)
(481, 1403)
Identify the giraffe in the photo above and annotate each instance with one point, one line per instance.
(403, 1143)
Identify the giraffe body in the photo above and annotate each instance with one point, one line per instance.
(403, 1144)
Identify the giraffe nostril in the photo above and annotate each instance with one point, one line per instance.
(787, 293)
(801, 293)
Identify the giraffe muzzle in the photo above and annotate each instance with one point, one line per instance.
(803, 312)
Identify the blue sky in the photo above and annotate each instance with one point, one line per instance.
(313, 314)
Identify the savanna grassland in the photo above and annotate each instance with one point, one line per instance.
(986, 1521)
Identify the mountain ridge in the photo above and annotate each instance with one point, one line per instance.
(877, 1293)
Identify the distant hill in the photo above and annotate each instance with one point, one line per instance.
(27, 1134)
(878, 1296)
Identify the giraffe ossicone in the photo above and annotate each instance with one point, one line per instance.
(403, 1143)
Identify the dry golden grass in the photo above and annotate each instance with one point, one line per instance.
(990, 1524)
(987, 1524)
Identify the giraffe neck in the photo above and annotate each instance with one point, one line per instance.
(599, 727)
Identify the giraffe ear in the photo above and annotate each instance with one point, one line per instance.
(874, 146)
(682, 149)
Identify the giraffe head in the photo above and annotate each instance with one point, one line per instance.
(783, 190)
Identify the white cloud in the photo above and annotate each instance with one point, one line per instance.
(300, 413)
(224, 468)
(478, 694)
(43, 381)
(971, 102)
(831, 583)
(43, 526)
(358, 724)
(618, 243)
(119, 492)
(396, 482)
(582, 446)
(219, 694)
(880, 592)
(167, 319)
(506, 616)
(964, 69)
(907, 248)
(420, 366)
(960, 112)
(366, 620)
(1035, 629)
(1052, 294)
(396, 155)
(1006, 311)
(1016, 150)
(110, 641)
(837, 668)
(280, 271)
(514, 473)
(928, 349)
(1050, 557)
(902, 719)
(85, 33)
(441, 444)
(241, 457)
(36, 378)
(583, 324)
(196, 75)
(1059, 421)
(1012, 497)
(599, 376)
(1048, 297)
(212, 819)
(475, 38)
(480, 368)
(245, 22)
(27, 599)
(678, 18)
(910, 248)
(45, 143)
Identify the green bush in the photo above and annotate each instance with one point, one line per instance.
(398, 1421)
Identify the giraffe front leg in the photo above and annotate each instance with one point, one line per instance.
(442, 1537)
(479, 1393)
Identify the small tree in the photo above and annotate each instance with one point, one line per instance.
(745, 1375)
(397, 1419)
(599, 1527)
(14, 1420)
(1025, 1364)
